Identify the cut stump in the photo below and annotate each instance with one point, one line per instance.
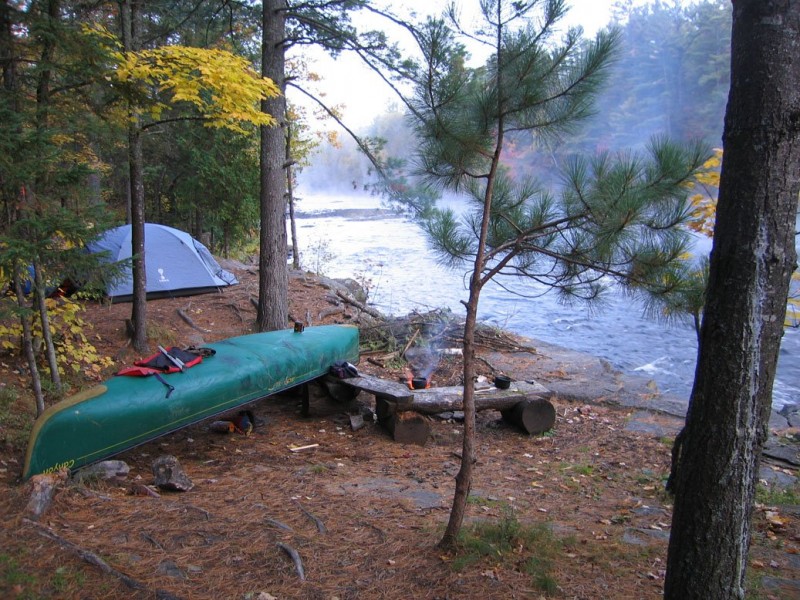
(534, 415)
(404, 426)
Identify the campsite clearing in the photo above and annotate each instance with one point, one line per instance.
(594, 482)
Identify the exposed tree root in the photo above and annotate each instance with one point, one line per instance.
(95, 560)
(298, 563)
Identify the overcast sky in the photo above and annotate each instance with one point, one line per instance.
(364, 96)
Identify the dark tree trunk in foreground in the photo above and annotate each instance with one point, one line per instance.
(751, 264)
(273, 277)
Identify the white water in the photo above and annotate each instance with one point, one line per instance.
(392, 253)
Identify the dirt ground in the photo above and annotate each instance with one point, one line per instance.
(362, 512)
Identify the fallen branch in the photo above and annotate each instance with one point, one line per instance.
(333, 310)
(95, 560)
(362, 307)
(182, 314)
(408, 345)
(299, 448)
(298, 563)
(320, 525)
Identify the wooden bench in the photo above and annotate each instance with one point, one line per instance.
(401, 409)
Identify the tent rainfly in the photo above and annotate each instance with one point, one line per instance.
(176, 263)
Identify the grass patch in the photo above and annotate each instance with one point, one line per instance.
(15, 582)
(64, 579)
(483, 501)
(531, 549)
(772, 494)
(16, 418)
(160, 333)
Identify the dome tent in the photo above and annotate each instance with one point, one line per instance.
(176, 263)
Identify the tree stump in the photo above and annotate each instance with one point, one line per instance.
(43, 488)
(404, 426)
(534, 415)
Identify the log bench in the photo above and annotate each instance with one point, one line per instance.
(401, 410)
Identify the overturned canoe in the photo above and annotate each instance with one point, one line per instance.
(126, 411)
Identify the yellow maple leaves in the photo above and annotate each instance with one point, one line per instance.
(703, 214)
(704, 202)
(215, 85)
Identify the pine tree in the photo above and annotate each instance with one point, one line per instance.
(615, 218)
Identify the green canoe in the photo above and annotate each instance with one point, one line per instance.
(126, 411)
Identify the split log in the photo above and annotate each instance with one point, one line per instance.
(392, 391)
(444, 399)
(534, 415)
(404, 426)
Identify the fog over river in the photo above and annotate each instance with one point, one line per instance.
(350, 236)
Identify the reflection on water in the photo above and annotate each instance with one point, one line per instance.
(392, 253)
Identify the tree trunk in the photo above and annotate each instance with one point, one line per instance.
(27, 343)
(8, 58)
(139, 308)
(131, 28)
(290, 197)
(464, 475)
(752, 260)
(44, 317)
(42, 125)
(273, 276)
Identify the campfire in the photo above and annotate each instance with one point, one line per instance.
(422, 362)
(417, 382)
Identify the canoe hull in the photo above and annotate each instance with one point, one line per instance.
(127, 411)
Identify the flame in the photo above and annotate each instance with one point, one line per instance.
(410, 380)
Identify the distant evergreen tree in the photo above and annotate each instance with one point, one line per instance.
(670, 77)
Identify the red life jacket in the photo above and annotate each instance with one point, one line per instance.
(158, 363)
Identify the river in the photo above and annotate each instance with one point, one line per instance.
(349, 236)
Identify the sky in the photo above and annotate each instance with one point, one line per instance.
(364, 96)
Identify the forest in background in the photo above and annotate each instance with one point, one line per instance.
(670, 79)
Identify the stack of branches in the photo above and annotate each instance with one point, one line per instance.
(438, 328)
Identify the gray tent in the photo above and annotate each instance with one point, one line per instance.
(176, 263)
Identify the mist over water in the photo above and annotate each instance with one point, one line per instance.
(352, 236)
